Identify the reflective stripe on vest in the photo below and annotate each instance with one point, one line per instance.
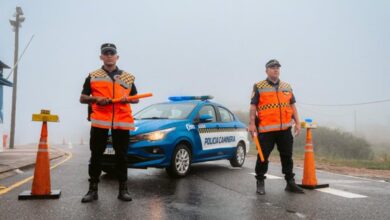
(123, 125)
(101, 79)
(100, 124)
(276, 127)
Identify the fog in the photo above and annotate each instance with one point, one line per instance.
(332, 52)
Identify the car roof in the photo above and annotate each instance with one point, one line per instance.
(197, 102)
(192, 101)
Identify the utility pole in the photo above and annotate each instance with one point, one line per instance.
(16, 24)
(355, 120)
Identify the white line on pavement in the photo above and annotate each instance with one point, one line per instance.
(19, 171)
(341, 193)
(269, 176)
(332, 191)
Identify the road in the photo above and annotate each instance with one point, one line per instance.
(213, 190)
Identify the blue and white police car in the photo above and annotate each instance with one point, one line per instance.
(185, 130)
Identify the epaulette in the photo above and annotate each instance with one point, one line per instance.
(127, 78)
(98, 73)
(263, 84)
(284, 85)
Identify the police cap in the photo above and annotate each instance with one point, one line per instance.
(108, 47)
(272, 63)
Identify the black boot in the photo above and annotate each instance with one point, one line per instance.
(92, 193)
(123, 193)
(292, 187)
(260, 187)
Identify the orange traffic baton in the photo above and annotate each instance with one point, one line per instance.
(41, 187)
(258, 146)
(129, 98)
(309, 180)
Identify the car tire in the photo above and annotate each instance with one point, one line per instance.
(239, 156)
(180, 162)
(110, 170)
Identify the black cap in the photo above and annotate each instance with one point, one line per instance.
(272, 63)
(108, 47)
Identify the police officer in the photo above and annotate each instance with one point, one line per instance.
(100, 87)
(272, 114)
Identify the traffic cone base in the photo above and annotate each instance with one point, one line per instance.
(318, 186)
(27, 195)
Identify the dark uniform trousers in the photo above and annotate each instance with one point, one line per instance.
(284, 141)
(98, 142)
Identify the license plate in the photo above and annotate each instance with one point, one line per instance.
(109, 151)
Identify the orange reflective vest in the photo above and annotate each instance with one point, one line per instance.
(274, 110)
(112, 116)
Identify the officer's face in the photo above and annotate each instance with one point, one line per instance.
(109, 58)
(273, 72)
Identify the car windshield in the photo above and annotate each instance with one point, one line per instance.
(166, 111)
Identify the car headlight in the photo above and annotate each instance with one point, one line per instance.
(155, 135)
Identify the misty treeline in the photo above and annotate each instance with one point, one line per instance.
(329, 142)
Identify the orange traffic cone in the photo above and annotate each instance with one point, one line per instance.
(309, 180)
(41, 187)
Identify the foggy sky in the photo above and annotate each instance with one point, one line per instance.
(332, 52)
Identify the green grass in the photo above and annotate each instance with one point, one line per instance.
(380, 162)
(368, 164)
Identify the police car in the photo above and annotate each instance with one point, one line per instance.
(185, 130)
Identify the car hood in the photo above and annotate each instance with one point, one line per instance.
(145, 126)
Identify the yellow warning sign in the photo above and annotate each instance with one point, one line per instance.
(45, 116)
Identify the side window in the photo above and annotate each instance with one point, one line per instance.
(208, 110)
(226, 116)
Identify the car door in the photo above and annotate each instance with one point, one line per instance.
(227, 129)
(207, 130)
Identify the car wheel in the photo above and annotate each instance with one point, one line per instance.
(239, 157)
(110, 170)
(180, 162)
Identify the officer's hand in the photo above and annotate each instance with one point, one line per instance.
(102, 100)
(297, 129)
(124, 100)
(252, 129)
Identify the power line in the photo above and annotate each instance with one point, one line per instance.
(17, 62)
(350, 104)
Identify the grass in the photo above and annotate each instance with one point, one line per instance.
(380, 162)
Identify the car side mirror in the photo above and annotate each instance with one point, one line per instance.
(205, 118)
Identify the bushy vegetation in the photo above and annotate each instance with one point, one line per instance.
(330, 143)
(336, 144)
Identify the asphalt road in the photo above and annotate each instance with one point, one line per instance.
(213, 190)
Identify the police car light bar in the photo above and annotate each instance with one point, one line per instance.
(186, 98)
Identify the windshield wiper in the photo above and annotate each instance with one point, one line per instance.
(154, 118)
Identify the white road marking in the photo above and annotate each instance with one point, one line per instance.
(332, 191)
(300, 215)
(18, 171)
(269, 176)
(341, 193)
